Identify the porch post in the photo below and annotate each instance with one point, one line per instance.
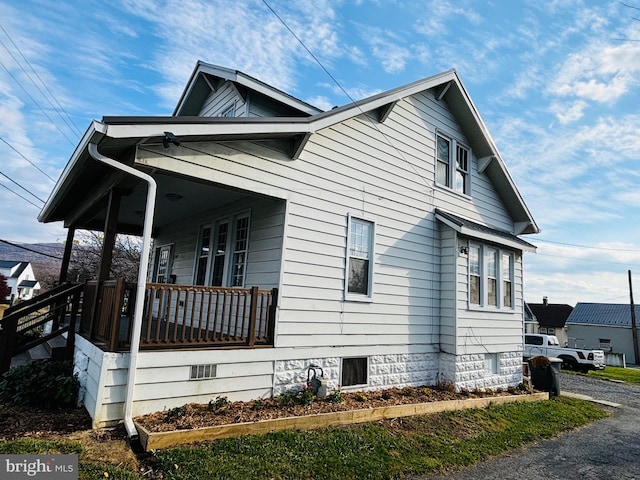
(106, 258)
(110, 231)
(66, 257)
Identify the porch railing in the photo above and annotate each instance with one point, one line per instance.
(22, 325)
(180, 316)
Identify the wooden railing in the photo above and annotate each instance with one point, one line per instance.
(21, 324)
(190, 315)
(179, 316)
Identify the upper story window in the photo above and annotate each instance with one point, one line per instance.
(359, 268)
(452, 165)
(491, 273)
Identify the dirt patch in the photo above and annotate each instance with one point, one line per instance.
(17, 421)
(220, 412)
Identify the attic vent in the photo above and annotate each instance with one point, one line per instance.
(202, 372)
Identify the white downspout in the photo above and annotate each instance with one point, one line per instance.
(142, 280)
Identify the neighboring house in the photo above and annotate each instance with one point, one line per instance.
(551, 318)
(605, 326)
(20, 279)
(530, 320)
(378, 241)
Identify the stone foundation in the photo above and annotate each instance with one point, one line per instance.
(385, 371)
(468, 371)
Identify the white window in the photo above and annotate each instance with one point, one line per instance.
(491, 363)
(491, 273)
(359, 265)
(223, 262)
(475, 275)
(202, 260)
(507, 280)
(452, 164)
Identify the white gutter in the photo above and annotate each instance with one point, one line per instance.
(142, 279)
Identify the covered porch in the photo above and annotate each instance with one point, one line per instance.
(212, 264)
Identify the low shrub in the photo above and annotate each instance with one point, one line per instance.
(43, 383)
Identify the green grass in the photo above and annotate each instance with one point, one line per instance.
(383, 450)
(392, 449)
(87, 470)
(629, 375)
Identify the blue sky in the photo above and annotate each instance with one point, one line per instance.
(557, 82)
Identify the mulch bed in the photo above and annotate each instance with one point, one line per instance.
(195, 415)
(18, 421)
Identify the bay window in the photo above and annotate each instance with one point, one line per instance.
(490, 277)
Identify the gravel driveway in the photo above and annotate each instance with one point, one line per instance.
(609, 448)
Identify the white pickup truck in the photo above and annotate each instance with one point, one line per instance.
(572, 358)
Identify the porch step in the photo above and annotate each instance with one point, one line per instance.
(53, 349)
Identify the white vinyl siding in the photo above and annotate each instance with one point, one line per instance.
(224, 102)
(351, 168)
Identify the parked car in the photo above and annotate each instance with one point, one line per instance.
(572, 358)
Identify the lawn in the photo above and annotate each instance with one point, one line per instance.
(381, 450)
(629, 375)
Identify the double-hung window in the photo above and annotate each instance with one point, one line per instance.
(359, 267)
(491, 274)
(452, 164)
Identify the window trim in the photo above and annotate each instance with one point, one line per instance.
(500, 253)
(355, 385)
(453, 168)
(351, 296)
(229, 253)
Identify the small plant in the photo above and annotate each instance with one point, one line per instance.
(335, 396)
(464, 391)
(175, 413)
(43, 383)
(217, 405)
(288, 398)
(360, 397)
(307, 396)
(386, 395)
(258, 405)
(446, 386)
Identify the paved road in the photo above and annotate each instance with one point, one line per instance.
(607, 449)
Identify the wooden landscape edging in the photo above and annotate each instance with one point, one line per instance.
(155, 440)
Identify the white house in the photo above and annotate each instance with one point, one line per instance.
(20, 279)
(382, 239)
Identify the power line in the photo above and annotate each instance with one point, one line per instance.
(29, 249)
(36, 103)
(26, 190)
(16, 193)
(70, 121)
(587, 246)
(386, 138)
(36, 166)
(586, 260)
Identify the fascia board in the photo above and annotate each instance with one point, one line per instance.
(95, 131)
(186, 130)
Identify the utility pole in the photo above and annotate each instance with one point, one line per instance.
(634, 329)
